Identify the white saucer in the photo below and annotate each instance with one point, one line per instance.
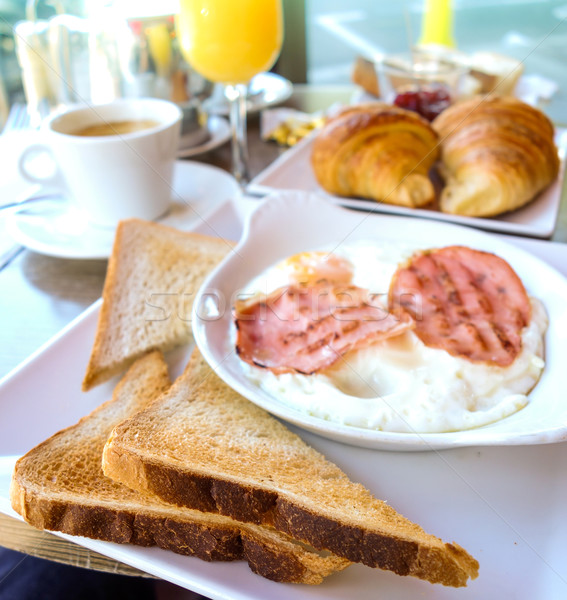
(219, 130)
(264, 90)
(57, 228)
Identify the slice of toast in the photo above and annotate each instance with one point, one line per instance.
(60, 486)
(204, 446)
(153, 275)
(364, 73)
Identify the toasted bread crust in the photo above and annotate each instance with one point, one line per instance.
(188, 538)
(127, 527)
(272, 564)
(449, 565)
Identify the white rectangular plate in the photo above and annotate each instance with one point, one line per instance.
(505, 505)
(292, 170)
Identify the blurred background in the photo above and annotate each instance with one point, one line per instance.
(323, 37)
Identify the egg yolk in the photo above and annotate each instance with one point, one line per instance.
(310, 267)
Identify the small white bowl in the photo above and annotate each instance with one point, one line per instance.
(290, 222)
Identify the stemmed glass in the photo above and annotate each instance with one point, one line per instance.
(228, 42)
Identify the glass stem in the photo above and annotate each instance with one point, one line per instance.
(236, 94)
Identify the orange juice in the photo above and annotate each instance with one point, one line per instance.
(230, 41)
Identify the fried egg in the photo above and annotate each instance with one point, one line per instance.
(305, 268)
(398, 384)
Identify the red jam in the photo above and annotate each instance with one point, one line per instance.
(426, 102)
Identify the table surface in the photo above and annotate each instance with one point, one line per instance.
(40, 295)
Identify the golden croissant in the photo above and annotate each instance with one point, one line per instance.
(377, 151)
(497, 154)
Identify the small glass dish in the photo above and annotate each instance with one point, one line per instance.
(421, 81)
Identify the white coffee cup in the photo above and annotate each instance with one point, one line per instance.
(111, 176)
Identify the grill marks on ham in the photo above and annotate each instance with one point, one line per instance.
(305, 328)
(467, 302)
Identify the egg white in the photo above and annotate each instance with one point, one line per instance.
(399, 384)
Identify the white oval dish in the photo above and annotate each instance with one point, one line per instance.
(290, 222)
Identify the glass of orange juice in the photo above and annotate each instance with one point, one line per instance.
(230, 41)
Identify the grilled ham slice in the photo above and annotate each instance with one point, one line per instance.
(468, 302)
(305, 328)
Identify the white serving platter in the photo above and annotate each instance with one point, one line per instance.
(292, 170)
(505, 505)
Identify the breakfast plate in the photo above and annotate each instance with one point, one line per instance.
(292, 222)
(483, 498)
(55, 227)
(537, 219)
(265, 89)
(219, 133)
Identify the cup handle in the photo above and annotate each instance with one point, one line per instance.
(54, 180)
